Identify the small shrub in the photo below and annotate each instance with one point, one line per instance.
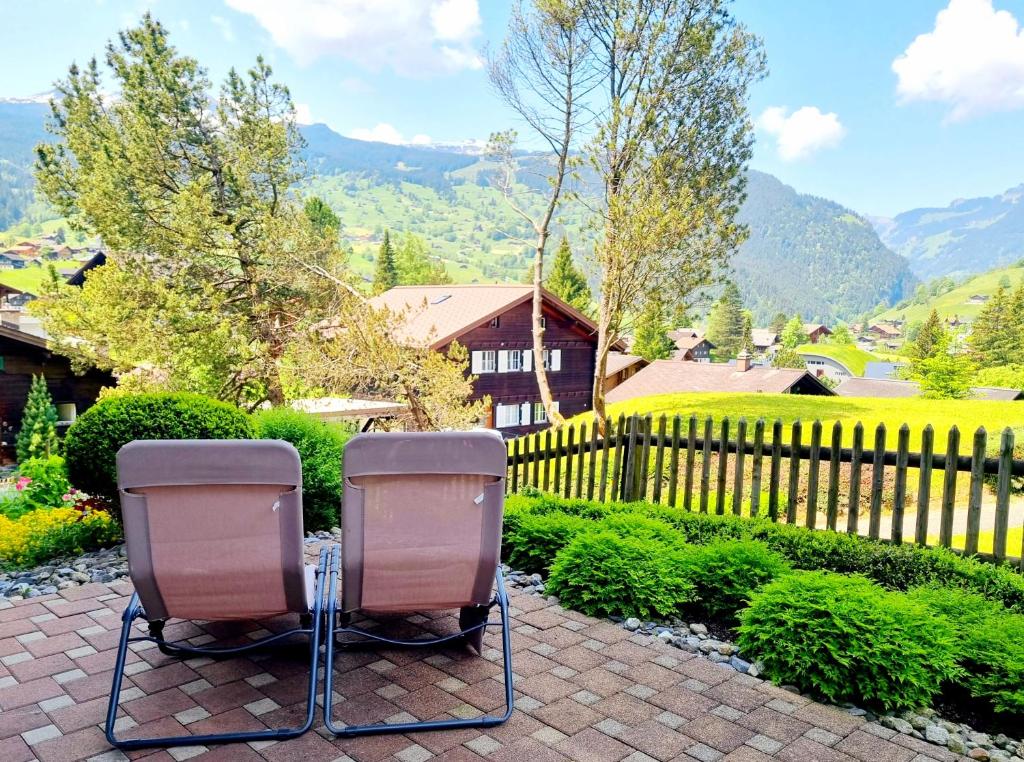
(42, 535)
(93, 440)
(990, 642)
(727, 572)
(320, 447)
(37, 437)
(605, 574)
(640, 526)
(847, 639)
(42, 483)
(537, 538)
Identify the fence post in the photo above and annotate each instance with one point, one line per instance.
(536, 459)
(618, 461)
(643, 465)
(558, 462)
(515, 466)
(924, 486)
(775, 474)
(691, 457)
(813, 475)
(741, 446)
(581, 460)
(1003, 495)
(570, 446)
(949, 478)
(593, 458)
(794, 472)
(900, 486)
(977, 490)
(609, 432)
(723, 466)
(705, 466)
(832, 504)
(856, 457)
(673, 476)
(629, 473)
(877, 482)
(755, 467)
(659, 460)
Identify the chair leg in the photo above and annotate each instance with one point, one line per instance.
(486, 721)
(134, 610)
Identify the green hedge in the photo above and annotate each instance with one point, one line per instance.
(93, 440)
(321, 446)
(726, 573)
(846, 638)
(898, 567)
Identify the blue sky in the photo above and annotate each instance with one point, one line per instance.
(834, 116)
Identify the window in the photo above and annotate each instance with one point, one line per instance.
(495, 322)
(506, 415)
(552, 359)
(515, 359)
(543, 322)
(483, 361)
(539, 414)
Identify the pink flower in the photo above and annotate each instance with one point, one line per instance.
(22, 482)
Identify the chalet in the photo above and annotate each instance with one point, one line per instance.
(24, 354)
(765, 340)
(13, 260)
(673, 376)
(882, 332)
(977, 299)
(891, 388)
(620, 367)
(816, 332)
(494, 323)
(690, 347)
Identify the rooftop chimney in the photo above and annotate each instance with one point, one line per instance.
(743, 361)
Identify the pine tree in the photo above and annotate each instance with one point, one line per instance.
(793, 334)
(651, 340)
(38, 434)
(385, 276)
(778, 322)
(995, 334)
(930, 337)
(566, 281)
(725, 322)
(748, 331)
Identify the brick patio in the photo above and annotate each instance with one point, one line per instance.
(585, 690)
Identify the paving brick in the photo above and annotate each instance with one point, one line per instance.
(567, 716)
(78, 745)
(627, 709)
(593, 746)
(781, 727)
(31, 692)
(15, 749)
(829, 718)
(717, 733)
(804, 749)
(871, 748)
(656, 740)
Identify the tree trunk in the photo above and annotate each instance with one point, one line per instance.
(601, 366)
(554, 417)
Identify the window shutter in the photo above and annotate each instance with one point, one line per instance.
(476, 362)
(554, 404)
(556, 359)
(528, 359)
(503, 361)
(524, 414)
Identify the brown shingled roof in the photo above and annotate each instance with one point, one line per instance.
(620, 360)
(675, 376)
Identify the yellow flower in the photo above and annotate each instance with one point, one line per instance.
(47, 533)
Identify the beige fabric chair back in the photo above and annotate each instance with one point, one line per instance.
(421, 520)
(214, 527)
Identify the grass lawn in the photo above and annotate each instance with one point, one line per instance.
(955, 301)
(1014, 537)
(917, 413)
(29, 279)
(853, 358)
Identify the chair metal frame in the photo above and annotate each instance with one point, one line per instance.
(310, 625)
(369, 639)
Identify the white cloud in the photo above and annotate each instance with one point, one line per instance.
(303, 115)
(412, 37)
(801, 133)
(226, 30)
(387, 133)
(973, 60)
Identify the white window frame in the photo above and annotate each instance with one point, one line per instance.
(539, 413)
(483, 361)
(506, 416)
(553, 360)
(515, 360)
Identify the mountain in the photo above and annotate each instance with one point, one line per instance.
(813, 256)
(968, 236)
(805, 254)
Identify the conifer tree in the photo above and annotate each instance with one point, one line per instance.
(566, 281)
(725, 321)
(995, 335)
(651, 340)
(930, 338)
(385, 276)
(38, 434)
(779, 322)
(748, 331)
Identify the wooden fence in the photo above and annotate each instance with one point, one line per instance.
(710, 467)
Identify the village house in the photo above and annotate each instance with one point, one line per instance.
(673, 377)
(882, 332)
(816, 332)
(690, 346)
(493, 322)
(620, 367)
(765, 340)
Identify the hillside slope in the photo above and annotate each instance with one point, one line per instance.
(957, 302)
(968, 236)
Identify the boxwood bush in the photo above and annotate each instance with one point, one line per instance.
(990, 644)
(93, 440)
(605, 574)
(727, 572)
(321, 446)
(847, 639)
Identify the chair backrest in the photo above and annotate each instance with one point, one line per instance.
(213, 527)
(421, 520)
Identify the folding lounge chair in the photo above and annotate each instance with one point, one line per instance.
(421, 523)
(214, 532)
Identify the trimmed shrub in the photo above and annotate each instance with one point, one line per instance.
(899, 567)
(605, 574)
(533, 542)
(93, 440)
(640, 526)
(727, 572)
(848, 639)
(320, 447)
(990, 641)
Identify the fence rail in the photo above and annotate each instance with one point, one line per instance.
(709, 466)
